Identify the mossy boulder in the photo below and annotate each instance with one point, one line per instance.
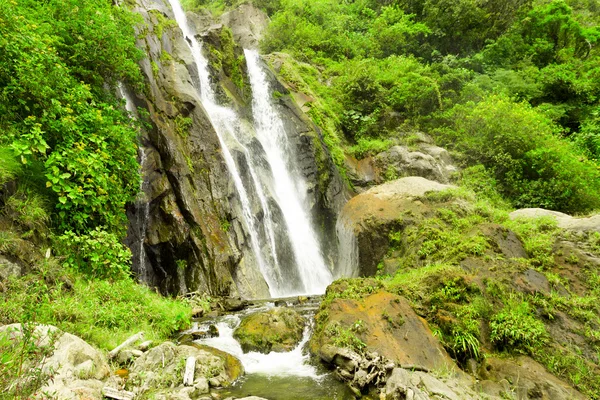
(383, 322)
(279, 329)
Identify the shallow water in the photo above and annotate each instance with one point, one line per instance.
(275, 376)
(289, 388)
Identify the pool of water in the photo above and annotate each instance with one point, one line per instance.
(289, 388)
(275, 376)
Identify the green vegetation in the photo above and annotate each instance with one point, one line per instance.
(67, 170)
(451, 263)
(512, 88)
(22, 362)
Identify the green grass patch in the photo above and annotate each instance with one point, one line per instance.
(101, 312)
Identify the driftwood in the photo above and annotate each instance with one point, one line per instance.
(117, 394)
(190, 369)
(138, 336)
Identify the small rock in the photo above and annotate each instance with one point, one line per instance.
(201, 385)
(125, 356)
(397, 383)
(137, 353)
(197, 312)
(8, 269)
(214, 382)
(435, 386)
(212, 332)
(302, 299)
(145, 345)
(231, 305)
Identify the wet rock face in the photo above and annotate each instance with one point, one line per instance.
(279, 329)
(194, 238)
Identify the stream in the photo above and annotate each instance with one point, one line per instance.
(291, 375)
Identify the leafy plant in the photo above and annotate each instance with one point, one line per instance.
(515, 328)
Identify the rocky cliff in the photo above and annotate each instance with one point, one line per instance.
(193, 238)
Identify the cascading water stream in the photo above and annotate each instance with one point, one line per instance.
(290, 188)
(142, 205)
(347, 262)
(224, 121)
(289, 191)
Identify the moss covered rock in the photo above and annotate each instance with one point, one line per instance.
(279, 329)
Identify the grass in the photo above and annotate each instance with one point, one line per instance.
(101, 312)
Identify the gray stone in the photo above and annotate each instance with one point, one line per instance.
(435, 386)
(564, 221)
(398, 383)
(201, 385)
(125, 357)
(8, 269)
(428, 161)
(76, 367)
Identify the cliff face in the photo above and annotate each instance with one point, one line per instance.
(192, 237)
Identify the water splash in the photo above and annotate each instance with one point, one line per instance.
(290, 188)
(348, 262)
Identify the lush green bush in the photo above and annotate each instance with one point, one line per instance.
(56, 60)
(98, 253)
(518, 144)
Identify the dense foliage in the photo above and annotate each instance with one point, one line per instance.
(65, 139)
(484, 77)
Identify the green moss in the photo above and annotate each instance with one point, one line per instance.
(163, 23)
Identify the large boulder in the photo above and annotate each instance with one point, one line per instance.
(384, 323)
(564, 221)
(279, 329)
(76, 369)
(369, 218)
(162, 368)
(421, 158)
(427, 161)
(523, 377)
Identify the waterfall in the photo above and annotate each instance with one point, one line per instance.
(311, 275)
(347, 265)
(290, 187)
(142, 205)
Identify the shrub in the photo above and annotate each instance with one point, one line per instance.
(22, 358)
(515, 328)
(532, 166)
(99, 254)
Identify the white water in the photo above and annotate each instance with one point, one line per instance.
(290, 189)
(292, 363)
(347, 261)
(225, 122)
(311, 275)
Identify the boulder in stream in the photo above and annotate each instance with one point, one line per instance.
(161, 369)
(279, 329)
